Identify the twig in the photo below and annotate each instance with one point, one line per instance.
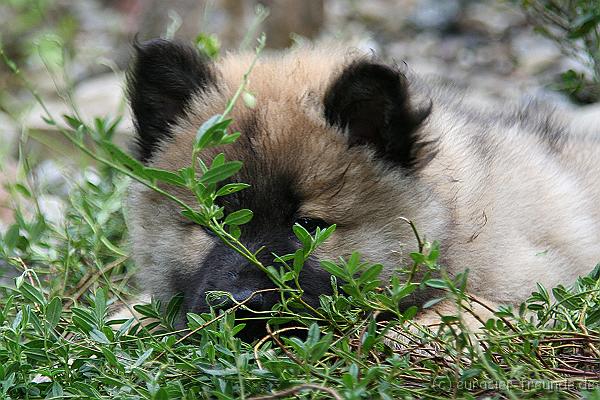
(267, 337)
(287, 392)
(582, 315)
(283, 348)
(85, 283)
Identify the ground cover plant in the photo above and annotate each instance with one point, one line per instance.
(575, 26)
(57, 339)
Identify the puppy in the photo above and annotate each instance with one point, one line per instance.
(339, 137)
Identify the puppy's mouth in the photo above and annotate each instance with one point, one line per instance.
(260, 321)
(258, 327)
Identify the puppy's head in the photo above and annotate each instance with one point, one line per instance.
(333, 139)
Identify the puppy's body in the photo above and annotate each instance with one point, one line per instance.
(338, 137)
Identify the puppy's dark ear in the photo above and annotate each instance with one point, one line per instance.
(160, 83)
(372, 102)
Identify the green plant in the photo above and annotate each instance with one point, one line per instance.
(57, 339)
(575, 26)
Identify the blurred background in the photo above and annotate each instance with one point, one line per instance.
(74, 54)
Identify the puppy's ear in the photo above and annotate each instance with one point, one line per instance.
(160, 83)
(371, 101)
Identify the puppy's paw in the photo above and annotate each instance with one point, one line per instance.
(421, 337)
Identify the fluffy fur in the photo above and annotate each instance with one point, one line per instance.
(339, 136)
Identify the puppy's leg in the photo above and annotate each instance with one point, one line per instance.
(480, 311)
(430, 319)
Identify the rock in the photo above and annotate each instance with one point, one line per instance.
(435, 14)
(50, 178)
(53, 209)
(534, 53)
(493, 18)
(101, 96)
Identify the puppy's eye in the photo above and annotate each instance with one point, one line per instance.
(311, 224)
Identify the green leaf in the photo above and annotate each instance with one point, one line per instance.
(235, 231)
(110, 356)
(434, 253)
(401, 292)
(593, 317)
(583, 25)
(470, 373)
(595, 274)
(298, 261)
(54, 311)
(324, 235)
(220, 372)
(370, 337)
(371, 273)
(319, 349)
(11, 65)
(418, 258)
(83, 319)
(220, 173)
(99, 336)
(147, 310)
(218, 160)
(333, 269)
(195, 217)
(143, 358)
(231, 188)
(161, 394)
(228, 139)
(11, 237)
(303, 236)
(208, 44)
(23, 190)
(5, 310)
(314, 334)
(273, 272)
(448, 319)
(436, 283)
(17, 320)
(32, 294)
(568, 300)
(124, 159)
(50, 49)
(188, 175)
(87, 390)
(239, 217)
(410, 313)
(432, 302)
(165, 176)
(353, 263)
(206, 132)
(100, 306)
(172, 310)
(73, 122)
(56, 391)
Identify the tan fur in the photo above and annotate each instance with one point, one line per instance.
(505, 202)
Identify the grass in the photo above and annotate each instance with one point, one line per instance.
(57, 339)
